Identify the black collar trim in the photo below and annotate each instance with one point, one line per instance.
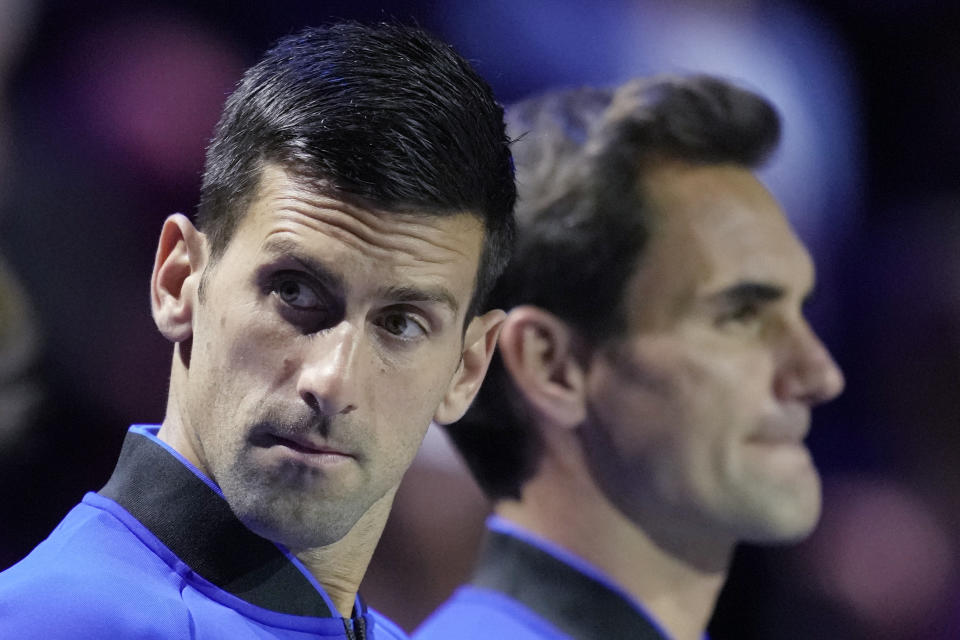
(573, 602)
(197, 525)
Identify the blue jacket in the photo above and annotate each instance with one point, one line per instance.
(527, 588)
(157, 553)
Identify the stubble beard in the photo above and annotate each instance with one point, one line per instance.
(281, 505)
(286, 502)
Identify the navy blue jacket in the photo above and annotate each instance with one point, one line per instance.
(157, 553)
(527, 588)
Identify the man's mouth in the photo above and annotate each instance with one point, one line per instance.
(781, 433)
(305, 445)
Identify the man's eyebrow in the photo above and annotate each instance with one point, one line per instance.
(748, 292)
(291, 249)
(438, 295)
(283, 247)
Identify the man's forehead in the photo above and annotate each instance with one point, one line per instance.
(281, 193)
(413, 252)
(726, 212)
(713, 228)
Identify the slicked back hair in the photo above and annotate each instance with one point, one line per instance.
(583, 223)
(385, 114)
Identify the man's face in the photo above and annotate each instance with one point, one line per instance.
(324, 340)
(698, 414)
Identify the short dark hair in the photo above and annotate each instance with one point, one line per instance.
(384, 113)
(583, 224)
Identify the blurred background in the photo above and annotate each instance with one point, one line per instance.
(105, 110)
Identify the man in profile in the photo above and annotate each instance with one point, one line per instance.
(655, 375)
(356, 207)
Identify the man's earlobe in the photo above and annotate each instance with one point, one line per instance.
(181, 258)
(539, 352)
(479, 342)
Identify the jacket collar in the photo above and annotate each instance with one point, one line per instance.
(189, 515)
(572, 601)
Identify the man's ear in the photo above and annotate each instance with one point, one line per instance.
(181, 257)
(539, 351)
(479, 341)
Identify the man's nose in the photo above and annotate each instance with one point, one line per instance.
(327, 380)
(809, 373)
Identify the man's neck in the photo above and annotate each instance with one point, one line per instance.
(339, 567)
(679, 592)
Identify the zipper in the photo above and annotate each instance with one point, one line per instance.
(356, 628)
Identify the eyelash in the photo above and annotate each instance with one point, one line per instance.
(308, 318)
(306, 315)
(279, 283)
(410, 316)
(742, 313)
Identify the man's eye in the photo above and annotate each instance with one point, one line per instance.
(741, 314)
(402, 325)
(296, 294)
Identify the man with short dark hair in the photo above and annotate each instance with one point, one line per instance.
(355, 209)
(655, 374)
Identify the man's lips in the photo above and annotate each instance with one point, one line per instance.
(303, 444)
(781, 433)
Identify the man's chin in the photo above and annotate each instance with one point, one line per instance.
(781, 503)
(294, 531)
(783, 524)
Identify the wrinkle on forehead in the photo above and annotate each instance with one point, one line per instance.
(383, 234)
(420, 237)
